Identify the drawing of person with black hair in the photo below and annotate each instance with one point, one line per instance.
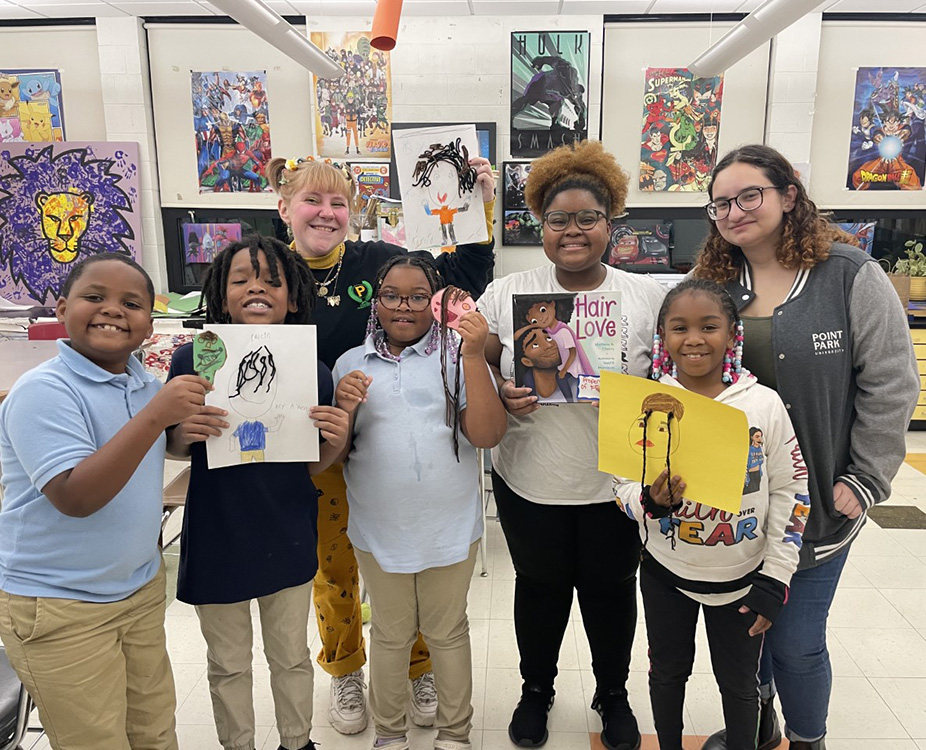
(439, 166)
(656, 429)
(754, 461)
(251, 395)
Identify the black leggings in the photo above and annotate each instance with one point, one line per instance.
(671, 618)
(594, 549)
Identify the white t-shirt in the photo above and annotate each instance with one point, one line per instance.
(551, 456)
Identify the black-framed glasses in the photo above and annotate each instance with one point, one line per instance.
(585, 219)
(748, 200)
(415, 302)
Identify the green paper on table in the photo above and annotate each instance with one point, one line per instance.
(706, 442)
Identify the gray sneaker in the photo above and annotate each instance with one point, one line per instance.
(347, 705)
(424, 700)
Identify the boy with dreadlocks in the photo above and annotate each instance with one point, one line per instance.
(412, 488)
(249, 530)
(456, 156)
(737, 567)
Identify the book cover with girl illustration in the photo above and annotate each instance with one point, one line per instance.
(263, 380)
(564, 341)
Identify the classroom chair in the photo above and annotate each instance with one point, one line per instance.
(174, 497)
(46, 331)
(15, 707)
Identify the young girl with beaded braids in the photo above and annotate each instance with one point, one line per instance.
(737, 567)
(249, 530)
(314, 200)
(421, 403)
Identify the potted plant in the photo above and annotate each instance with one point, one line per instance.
(911, 271)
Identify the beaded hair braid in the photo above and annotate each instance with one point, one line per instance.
(733, 358)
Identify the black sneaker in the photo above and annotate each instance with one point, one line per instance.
(310, 746)
(619, 729)
(528, 727)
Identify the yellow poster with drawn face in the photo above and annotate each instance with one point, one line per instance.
(645, 423)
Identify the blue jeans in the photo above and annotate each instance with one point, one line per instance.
(795, 656)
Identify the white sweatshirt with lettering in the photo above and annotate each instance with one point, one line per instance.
(711, 555)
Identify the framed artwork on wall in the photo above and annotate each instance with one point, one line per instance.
(520, 227)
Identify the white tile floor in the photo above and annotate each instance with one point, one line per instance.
(877, 640)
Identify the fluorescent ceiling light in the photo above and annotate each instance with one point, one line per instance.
(770, 18)
(273, 29)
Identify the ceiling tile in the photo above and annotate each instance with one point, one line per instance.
(695, 6)
(604, 7)
(882, 6)
(435, 8)
(58, 9)
(161, 8)
(516, 7)
(8, 10)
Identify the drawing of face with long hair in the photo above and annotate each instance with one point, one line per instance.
(657, 425)
(253, 386)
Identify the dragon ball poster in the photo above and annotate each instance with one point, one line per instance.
(549, 90)
(681, 127)
(59, 203)
(30, 106)
(231, 118)
(353, 114)
(887, 148)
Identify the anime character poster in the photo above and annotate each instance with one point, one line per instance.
(30, 106)
(353, 114)
(264, 378)
(202, 242)
(681, 127)
(549, 90)
(60, 202)
(887, 148)
(231, 117)
(440, 202)
(521, 227)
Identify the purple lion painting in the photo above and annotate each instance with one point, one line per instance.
(61, 202)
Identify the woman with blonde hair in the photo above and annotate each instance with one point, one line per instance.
(314, 200)
(825, 329)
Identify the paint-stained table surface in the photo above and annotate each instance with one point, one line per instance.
(17, 357)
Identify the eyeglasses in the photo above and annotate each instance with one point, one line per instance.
(415, 302)
(748, 200)
(585, 219)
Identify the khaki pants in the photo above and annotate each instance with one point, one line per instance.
(433, 600)
(284, 622)
(98, 673)
(337, 587)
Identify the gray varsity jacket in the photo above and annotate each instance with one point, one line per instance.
(847, 374)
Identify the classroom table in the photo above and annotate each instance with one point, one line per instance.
(17, 357)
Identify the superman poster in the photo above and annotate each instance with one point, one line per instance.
(681, 127)
(549, 90)
(231, 118)
(887, 147)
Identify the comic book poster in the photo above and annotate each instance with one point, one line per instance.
(639, 244)
(372, 180)
(564, 341)
(549, 90)
(60, 202)
(353, 114)
(520, 227)
(231, 118)
(30, 106)
(863, 232)
(202, 242)
(887, 148)
(681, 126)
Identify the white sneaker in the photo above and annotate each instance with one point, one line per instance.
(391, 743)
(347, 705)
(424, 700)
(452, 745)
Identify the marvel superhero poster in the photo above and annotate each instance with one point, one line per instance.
(549, 90)
(681, 127)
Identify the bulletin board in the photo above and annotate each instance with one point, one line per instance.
(177, 50)
(631, 48)
(844, 48)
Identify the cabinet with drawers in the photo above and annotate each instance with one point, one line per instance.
(919, 346)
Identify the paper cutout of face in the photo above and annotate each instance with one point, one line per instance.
(456, 307)
(209, 355)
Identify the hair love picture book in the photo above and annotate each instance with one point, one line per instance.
(563, 341)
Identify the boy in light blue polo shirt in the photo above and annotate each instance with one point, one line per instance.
(82, 592)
